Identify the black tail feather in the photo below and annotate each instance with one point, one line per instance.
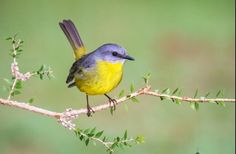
(71, 33)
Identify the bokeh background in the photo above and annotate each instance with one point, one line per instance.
(186, 43)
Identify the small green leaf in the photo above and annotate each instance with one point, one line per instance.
(31, 100)
(139, 139)
(196, 93)
(99, 134)
(86, 131)
(126, 107)
(87, 142)
(111, 110)
(10, 82)
(81, 137)
(15, 92)
(178, 102)
(220, 93)
(207, 94)
(122, 93)
(18, 84)
(5, 89)
(221, 104)
(93, 130)
(166, 91)
(146, 78)
(175, 91)
(131, 88)
(125, 135)
(135, 100)
(194, 106)
(9, 38)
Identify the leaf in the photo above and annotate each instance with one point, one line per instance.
(175, 91)
(196, 93)
(10, 82)
(194, 106)
(178, 102)
(207, 94)
(221, 104)
(131, 88)
(166, 91)
(126, 107)
(81, 137)
(86, 131)
(87, 142)
(9, 38)
(99, 134)
(15, 92)
(18, 84)
(146, 78)
(122, 93)
(5, 89)
(93, 130)
(31, 100)
(125, 135)
(135, 100)
(220, 93)
(139, 139)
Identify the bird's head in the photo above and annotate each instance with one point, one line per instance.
(112, 53)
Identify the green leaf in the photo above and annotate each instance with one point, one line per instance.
(125, 135)
(207, 94)
(122, 93)
(18, 84)
(126, 107)
(175, 91)
(31, 100)
(221, 104)
(10, 82)
(5, 89)
(194, 106)
(111, 110)
(87, 142)
(99, 134)
(178, 102)
(15, 92)
(220, 93)
(93, 130)
(196, 93)
(81, 137)
(131, 88)
(9, 38)
(146, 78)
(135, 100)
(139, 139)
(166, 91)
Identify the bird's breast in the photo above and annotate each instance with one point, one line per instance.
(105, 77)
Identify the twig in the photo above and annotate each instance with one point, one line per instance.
(141, 91)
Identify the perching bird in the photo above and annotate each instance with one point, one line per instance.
(97, 72)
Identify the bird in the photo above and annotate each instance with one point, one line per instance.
(97, 72)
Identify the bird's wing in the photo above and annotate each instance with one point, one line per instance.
(84, 63)
(73, 37)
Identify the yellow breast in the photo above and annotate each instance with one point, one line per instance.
(105, 77)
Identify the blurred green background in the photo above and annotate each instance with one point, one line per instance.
(187, 44)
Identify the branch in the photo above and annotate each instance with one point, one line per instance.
(75, 113)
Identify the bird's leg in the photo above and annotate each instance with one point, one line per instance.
(88, 107)
(112, 101)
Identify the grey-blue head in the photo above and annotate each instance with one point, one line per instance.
(112, 53)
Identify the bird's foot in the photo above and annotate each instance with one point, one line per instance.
(112, 103)
(90, 111)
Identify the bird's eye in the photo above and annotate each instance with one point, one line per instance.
(114, 53)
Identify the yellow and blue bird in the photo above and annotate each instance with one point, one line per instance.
(95, 73)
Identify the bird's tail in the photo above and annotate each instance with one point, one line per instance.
(73, 37)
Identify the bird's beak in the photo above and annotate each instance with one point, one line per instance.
(128, 57)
